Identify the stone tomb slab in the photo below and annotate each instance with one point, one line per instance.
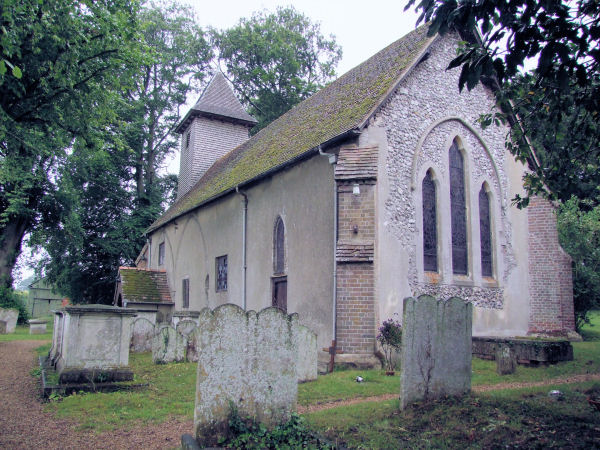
(94, 344)
(37, 326)
(436, 349)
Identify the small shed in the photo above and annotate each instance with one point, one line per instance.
(146, 291)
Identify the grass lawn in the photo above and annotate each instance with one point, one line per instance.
(483, 419)
(22, 334)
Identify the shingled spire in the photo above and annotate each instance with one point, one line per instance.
(216, 124)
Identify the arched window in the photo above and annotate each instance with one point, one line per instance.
(458, 211)
(485, 233)
(430, 263)
(279, 247)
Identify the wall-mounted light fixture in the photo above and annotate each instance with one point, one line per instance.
(356, 189)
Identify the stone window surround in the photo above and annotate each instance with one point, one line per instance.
(444, 274)
(221, 281)
(185, 286)
(278, 219)
(161, 253)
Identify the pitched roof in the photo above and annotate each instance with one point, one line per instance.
(341, 107)
(144, 285)
(219, 101)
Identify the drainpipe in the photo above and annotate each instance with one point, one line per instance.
(244, 265)
(332, 350)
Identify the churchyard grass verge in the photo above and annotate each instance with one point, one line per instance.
(22, 334)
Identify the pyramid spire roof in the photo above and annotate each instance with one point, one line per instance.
(218, 101)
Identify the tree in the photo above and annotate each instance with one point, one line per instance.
(110, 188)
(68, 54)
(499, 38)
(579, 234)
(276, 60)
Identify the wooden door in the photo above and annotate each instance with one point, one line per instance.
(280, 293)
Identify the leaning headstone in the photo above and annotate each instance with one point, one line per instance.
(247, 362)
(9, 316)
(506, 360)
(2, 327)
(436, 349)
(37, 326)
(142, 333)
(164, 345)
(307, 354)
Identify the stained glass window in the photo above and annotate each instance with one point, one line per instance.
(221, 273)
(429, 224)
(485, 233)
(185, 289)
(458, 212)
(279, 241)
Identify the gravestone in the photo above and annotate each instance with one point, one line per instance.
(436, 349)
(506, 360)
(185, 328)
(247, 361)
(164, 345)
(9, 316)
(37, 326)
(2, 327)
(307, 354)
(91, 343)
(142, 333)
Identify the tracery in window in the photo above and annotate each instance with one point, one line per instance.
(185, 292)
(485, 233)
(458, 211)
(430, 262)
(279, 247)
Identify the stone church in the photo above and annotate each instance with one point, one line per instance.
(380, 186)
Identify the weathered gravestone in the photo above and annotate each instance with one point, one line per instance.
(9, 316)
(91, 343)
(246, 361)
(436, 349)
(307, 354)
(185, 328)
(167, 345)
(506, 360)
(142, 333)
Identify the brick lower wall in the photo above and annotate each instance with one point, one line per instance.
(550, 276)
(356, 308)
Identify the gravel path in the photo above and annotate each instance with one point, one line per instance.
(24, 424)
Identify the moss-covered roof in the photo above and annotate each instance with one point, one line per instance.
(144, 285)
(342, 106)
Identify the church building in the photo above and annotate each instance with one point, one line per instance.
(380, 186)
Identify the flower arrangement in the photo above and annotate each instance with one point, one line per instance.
(390, 338)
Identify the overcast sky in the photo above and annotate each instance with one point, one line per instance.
(361, 28)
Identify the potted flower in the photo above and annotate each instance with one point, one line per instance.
(390, 339)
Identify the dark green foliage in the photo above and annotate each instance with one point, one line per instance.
(579, 235)
(562, 99)
(109, 189)
(12, 300)
(246, 433)
(72, 55)
(276, 60)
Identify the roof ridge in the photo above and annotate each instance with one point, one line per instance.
(344, 105)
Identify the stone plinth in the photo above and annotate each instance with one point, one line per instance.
(37, 326)
(9, 316)
(91, 343)
(528, 351)
(246, 361)
(436, 348)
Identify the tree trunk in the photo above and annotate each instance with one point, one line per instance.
(11, 238)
